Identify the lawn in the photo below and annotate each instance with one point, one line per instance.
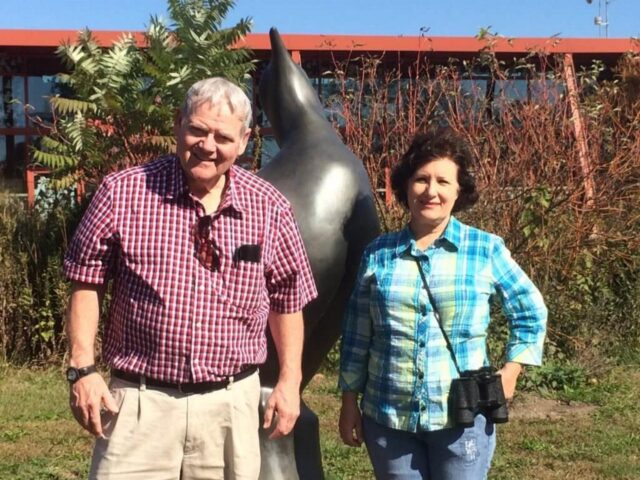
(594, 436)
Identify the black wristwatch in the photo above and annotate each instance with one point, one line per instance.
(75, 374)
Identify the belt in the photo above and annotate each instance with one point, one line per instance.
(200, 387)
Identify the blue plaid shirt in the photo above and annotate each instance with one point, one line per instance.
(393, 350)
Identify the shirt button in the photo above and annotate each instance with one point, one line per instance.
(420, 375)
(423, 408)
(421, 344)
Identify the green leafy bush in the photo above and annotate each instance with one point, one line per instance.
(33, 292)
(121, 101)
(555, 376)
(115, 109)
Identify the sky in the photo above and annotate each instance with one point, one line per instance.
(511, 18)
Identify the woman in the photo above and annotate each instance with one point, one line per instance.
(394, 351)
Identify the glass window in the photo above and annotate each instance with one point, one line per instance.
(19, 101)
(6, 110)
(474, 88)
(13, 159)
(474, 95)
(40, 89)
(13, 101)
(261, 118)
(269, 149)
(329, 87)
(512, 89)
(547, 90)
(330, 99)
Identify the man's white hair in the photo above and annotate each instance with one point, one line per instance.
(218, 91)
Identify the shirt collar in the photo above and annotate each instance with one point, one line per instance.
(233, 197)
(406, 241)
(178, 185)
(453, 232)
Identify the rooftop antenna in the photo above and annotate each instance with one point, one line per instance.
(602, 20)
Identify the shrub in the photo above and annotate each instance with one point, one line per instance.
(115, 109)
(33, 291)
(569, 220)
(118, 104)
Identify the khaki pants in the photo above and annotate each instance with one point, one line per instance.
(163, 434)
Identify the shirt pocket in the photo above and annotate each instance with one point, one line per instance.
(471, 306)
(245, 285)
(396, 303)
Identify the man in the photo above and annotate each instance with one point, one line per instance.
(202, 255)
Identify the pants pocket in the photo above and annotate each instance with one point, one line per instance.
(118, 390)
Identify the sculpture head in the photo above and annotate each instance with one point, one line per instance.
(286, 95)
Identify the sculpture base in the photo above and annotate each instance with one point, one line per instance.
(296, 456)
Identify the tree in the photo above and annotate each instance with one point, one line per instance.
(121, 100)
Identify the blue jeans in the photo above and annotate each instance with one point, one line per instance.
(448, 454)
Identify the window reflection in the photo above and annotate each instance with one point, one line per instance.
(40, 89)
(547, 90)
(512, 89)
(13, 160)
(269, 149)
(13, 101)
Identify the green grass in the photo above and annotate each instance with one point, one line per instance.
(604, 444)
(39, 439)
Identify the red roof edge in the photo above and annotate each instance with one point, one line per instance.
(370, 43)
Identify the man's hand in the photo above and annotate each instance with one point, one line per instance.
(284, 404)
(287, 330)
(87, 397)
(89, 394)
(350, 423)
(510, 373)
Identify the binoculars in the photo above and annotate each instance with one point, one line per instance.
(478, 391)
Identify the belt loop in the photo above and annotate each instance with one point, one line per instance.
(230, 382)
(143, 383)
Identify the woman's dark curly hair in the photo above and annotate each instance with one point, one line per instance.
(433, 145)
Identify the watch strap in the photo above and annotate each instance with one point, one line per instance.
(75, 374)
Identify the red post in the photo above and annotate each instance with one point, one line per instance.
(30, 178)
(388, 191)
(31, 172)
(80, 191)
(578, 128)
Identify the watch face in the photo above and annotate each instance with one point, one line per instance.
(72, 374)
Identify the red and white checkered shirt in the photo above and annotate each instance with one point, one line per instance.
(171, 318)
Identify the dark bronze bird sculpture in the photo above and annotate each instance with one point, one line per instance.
(333, 203)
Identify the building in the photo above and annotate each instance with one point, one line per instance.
(28, 68)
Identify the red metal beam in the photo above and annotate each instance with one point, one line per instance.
(369, 43)
(382, 43)
(53, 38)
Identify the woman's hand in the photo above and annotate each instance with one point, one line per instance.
(510, 372)
(350, 423)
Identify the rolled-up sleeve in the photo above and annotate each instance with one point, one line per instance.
(290, 280)
(523, 306)
(357, 330)
(91, 250)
